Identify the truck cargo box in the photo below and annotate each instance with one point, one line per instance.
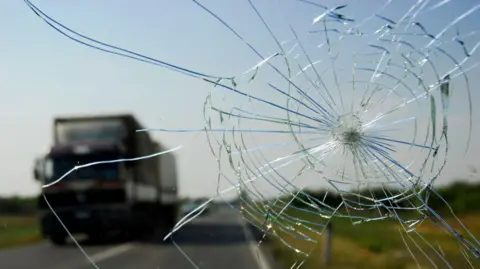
(167, 175)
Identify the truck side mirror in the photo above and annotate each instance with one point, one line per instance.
(43, 169)
(39, 168)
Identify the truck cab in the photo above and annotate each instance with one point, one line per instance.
(89, 200)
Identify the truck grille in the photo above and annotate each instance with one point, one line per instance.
(79, 198)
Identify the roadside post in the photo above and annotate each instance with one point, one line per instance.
(327, 244)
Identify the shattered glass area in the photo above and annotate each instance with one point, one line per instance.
(355, 105)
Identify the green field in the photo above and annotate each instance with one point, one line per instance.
(376, 244)
(18, 230)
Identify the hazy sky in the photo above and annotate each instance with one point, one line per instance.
(43, 74)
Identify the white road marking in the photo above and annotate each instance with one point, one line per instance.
(101, 256)
(254, 249)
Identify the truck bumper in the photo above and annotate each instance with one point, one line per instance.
(86, 220)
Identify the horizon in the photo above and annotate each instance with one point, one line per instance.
(59, 77)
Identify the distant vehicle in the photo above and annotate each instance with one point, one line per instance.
(187, 208)
(133, 196)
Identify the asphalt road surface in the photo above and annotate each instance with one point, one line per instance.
(219, 240)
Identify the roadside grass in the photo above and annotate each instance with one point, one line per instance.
(375, 244)
(18, 230)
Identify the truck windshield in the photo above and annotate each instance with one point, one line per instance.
(104, 171)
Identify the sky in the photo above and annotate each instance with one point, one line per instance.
(44, 74)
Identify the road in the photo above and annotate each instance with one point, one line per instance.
(219, 240)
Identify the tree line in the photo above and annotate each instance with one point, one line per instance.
(16, 205)
(463, 197)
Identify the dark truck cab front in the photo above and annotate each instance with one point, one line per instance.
(90, 200)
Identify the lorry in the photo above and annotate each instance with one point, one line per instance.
(131, 197)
